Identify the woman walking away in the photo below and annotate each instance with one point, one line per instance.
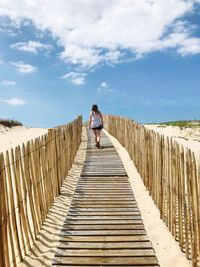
(96, 124)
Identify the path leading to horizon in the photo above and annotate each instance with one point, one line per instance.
(167, 249)
(103, 226)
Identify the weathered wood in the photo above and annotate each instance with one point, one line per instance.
(102, 209)
(100, 261)
(69, 226)
(30, 179)
(105, 252)
(171, 175)
(105, 238)
(103, 222)
(104, 217)
(103, 213)
(103, 232)
(85, 265)
(4, 259)
(106, 245)
(103, 225)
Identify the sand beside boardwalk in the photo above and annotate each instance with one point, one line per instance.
(166, 248)
(188, 136)
(12, 137)
(44, 250)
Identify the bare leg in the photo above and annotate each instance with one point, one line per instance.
(95, 136)
(98, 137)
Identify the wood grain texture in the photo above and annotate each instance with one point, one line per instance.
(170, 174)
(103, 226)
(31, 176)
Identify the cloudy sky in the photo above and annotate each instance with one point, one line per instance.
(135, 58)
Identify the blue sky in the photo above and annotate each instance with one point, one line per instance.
(139, 59)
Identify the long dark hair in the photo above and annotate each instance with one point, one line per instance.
(95, 109)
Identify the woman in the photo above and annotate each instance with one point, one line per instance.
(96, 124)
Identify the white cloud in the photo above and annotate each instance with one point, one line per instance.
(1, 62)
(24, 68)
(14, 102)
(31, 46)
(8, 32)
(190, 46)
(104, 88)
(77, 78)
(104, 85)
(78, 81)
(8, 83)
(96, 32)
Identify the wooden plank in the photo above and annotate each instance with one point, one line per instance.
(105, 245)
(102, 213)
(101, 179)
(103, 190)
(114, 238)
(104, 217)
(102, 222)
(104, 203)
(69, 226)
(103, 183)
(90, 205)
(104, 252)
(104, 187)
(78, 265)
(103, 194)
(103, 226)
(101, 200)
(100, 232)
(101, 209)
(104, 174)
(106, 260)
(101, 197)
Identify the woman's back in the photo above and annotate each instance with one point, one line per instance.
(96, 118)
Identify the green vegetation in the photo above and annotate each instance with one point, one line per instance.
(10, 123)
(182, 124)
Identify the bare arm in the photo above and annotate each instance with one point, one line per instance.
(101, 118)
(90, 121)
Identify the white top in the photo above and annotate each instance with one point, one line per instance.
(96, 119)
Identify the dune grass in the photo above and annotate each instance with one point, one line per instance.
(182, 124)
(10, 123)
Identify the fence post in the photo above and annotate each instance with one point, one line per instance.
(30, 179)
(171, 176)
(4, 256)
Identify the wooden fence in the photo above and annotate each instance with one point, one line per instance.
(30, 178)
(172, 176)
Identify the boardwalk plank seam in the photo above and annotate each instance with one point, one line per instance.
(104, 226)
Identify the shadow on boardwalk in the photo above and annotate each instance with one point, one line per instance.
(44, 250)
(104, 226)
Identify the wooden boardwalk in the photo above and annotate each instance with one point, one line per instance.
(103, 226)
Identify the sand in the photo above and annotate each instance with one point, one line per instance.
(43, 252)
(12, 137)
(188, 137)
(166, 248)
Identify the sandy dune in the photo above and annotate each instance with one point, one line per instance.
(12, 137)
(188, 137)
(166, 248)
